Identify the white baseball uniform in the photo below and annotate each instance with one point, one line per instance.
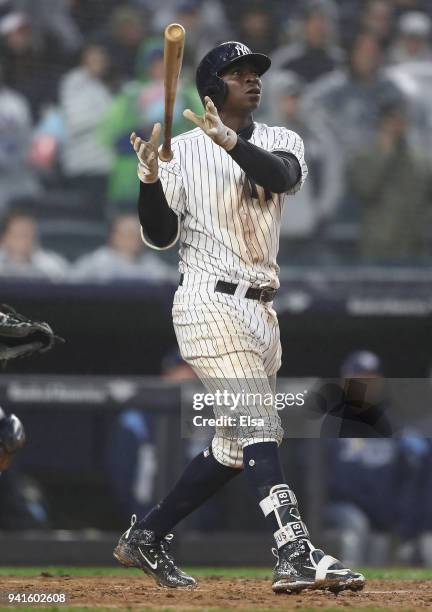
(227, 234)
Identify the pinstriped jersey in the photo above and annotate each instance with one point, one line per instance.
(229, 227)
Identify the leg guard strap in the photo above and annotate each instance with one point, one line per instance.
(290, 532)
(280, 495)
(283, 503)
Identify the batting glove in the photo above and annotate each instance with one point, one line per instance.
(212, 125)
(147, 153)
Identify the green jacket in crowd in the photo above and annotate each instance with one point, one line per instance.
(136, 108)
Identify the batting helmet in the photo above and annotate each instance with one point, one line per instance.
(208, 81)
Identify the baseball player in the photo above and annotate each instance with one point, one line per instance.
(222, 194)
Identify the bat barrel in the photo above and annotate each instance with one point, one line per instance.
(173, 57)
(175, 32)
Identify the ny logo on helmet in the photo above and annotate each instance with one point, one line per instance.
(242, 49)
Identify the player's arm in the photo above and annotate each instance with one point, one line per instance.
(159, 223)
(277, 171)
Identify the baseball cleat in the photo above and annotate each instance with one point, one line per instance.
(301, 566)
(287, 575)
(139, 548)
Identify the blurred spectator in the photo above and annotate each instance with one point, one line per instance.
(349, 98)
(377, 19)
(48, 136)
(132, 462)
(205, 22)
(315, 52)
(54, 17)
(280, 12)
(257, 28)
(413, 41)
(380, 501)
(84, 97)
(393, 186)
(90, 17)
(421, 548)
(349, 14)
(348, 101)
(132, 459)
(411, 70)
(401, 6)
(137, 108)
(16, 175)
(320, 195)
(415, 544)
(205, 28)
(124, 257)
(20, 252)
(424, 502)
(122, 38)
(374, 16)
(32, 63)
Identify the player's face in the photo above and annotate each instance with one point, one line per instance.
(244, 87)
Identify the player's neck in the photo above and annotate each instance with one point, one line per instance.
(236, 122)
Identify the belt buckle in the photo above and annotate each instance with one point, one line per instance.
(270, 292)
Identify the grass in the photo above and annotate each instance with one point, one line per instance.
(391, 573)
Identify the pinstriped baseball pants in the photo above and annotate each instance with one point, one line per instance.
(232, 343)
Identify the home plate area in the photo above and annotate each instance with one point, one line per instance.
(216, 592)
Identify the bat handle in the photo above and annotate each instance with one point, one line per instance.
(165, 153)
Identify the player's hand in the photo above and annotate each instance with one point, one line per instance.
(212, 125)
(147, 153)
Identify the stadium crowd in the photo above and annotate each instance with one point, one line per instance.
(353, 78)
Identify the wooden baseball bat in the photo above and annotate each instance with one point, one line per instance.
(173, 57)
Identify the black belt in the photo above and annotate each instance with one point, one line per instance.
(264, 294)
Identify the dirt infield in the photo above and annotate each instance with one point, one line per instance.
(217, 592)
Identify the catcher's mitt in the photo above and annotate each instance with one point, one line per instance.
(12, 438)
(20, 336)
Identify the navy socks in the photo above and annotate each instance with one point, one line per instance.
(263, 470)
(204, 476)
(200, 480)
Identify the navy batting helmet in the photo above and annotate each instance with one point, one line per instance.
(207, 75)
